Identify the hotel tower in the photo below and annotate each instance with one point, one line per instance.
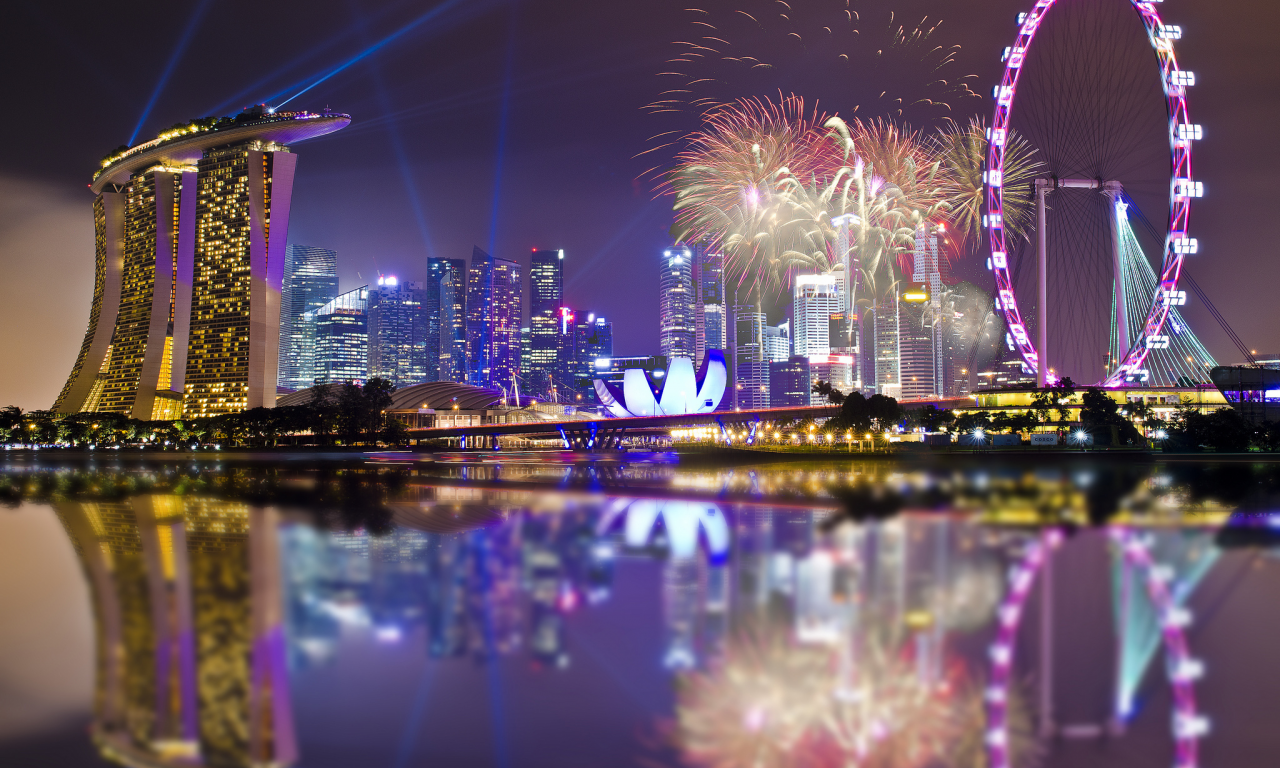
(190, 232)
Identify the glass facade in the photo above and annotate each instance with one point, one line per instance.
(709, 310)
(593, 340)
(494, 310)
(815, 299)
(310, 282)
(446, 319)
(789, 382)
(676, 303)
(916, 344)
(341, 330)
(546, 299)
(398, 331)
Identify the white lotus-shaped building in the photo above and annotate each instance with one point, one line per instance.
(681, 391)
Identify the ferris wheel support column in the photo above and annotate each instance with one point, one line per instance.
(1042, 275)
(1113, 191)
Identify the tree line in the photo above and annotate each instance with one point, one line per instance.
(1221, 429)
(348, 415)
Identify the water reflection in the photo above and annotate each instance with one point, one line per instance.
(856, 614)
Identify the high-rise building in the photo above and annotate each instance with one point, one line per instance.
(816, 298)
(310, 282)
(190, 232)
(677, 337)
(342, 338)
(593, 340)
(526, 351)
(777, 342)
(955, 356)
(494, 293)
(927, 271)
(398, 331)
(789, 382)
(918, 375)
(750, 380)
(446, 319)
(884, 323)
(546, 298)
(709, 308)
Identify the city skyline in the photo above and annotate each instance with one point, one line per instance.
(605, 215)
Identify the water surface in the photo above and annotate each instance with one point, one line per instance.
(558, 610)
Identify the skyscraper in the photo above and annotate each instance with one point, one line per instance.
(927, 270)
(190, 233)
(916, 344)
(446, 319)
(815, 299)
(342, 338)
(398, 330)
(750, 379)
(494, 293)
(593, 340)
(546, 298)
(885, 352)
(676, 303)
(789, 382)
(709, 309)
(310, 282)
(777, 342)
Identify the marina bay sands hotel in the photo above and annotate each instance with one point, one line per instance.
(190, 233)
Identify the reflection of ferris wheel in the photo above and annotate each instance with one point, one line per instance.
(1134, 336)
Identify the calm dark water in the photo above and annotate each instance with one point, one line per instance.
(555, 610)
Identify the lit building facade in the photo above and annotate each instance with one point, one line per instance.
(749, 377)
(341, 330)
(446, 319)
(917, 344)
(815, 299)
(789, 382)
(546, 299)
(398, 331)
(593, 340)
(494, 307)
(310, 282)
(777, 342)
(710, 314)
(190, 236)
(884, 354)
(677, 335)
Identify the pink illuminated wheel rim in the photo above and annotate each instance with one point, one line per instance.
(1188, 725)
(1182, 189)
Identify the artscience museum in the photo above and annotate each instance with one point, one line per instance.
(680, 391)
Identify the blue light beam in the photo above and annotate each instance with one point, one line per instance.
(314, 52)
(174, 58)
(383, 43)
(503, 118)
(397, 145)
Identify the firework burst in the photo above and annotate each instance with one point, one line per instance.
(765, 182)
(962, 149)
(730, 184)
(861, 53)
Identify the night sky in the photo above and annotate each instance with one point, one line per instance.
(510, 125)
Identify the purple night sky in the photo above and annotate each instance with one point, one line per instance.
(507, 125)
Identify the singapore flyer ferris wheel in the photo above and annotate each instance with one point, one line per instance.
(1149, 341)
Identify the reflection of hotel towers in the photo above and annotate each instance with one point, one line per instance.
(190, 247)
(190, 643)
